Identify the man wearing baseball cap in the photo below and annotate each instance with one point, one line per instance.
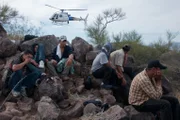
(146, 93)
(62, 58)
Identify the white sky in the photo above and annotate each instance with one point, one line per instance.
(151, 18)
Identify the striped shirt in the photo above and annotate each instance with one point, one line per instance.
(143, 88)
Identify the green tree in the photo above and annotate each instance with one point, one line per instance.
(97, 31)
(7, 13)
(164, 45)
(17, 25)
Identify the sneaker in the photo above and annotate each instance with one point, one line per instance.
(23, 91)
(41, 64)
(15, 93)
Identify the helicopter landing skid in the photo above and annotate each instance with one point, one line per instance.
(60, 23)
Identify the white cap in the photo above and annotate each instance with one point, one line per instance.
(63, 37)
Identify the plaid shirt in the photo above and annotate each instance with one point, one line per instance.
(143, 88)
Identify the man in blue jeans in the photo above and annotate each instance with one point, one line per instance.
(24, 75)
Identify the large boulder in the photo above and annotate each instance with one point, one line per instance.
(47, 110)
(52, 87)
(5, 116)
(135, 115)
(81, 48)
(74, 110)
(7, 48)
(49, 41)
(25, 104)
(91, 109)
(113, 113)
(3, 32)
(90, 56)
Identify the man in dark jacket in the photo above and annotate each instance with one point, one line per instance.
(62, 59)
(24, 75)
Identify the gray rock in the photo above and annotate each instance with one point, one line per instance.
(7, 48)
(110, 99)
(90, 56)
(25, 104)
(91, 109)
(115, 113)
(81, 48)
(3, 32)
(52, 87)
(73, 111)
(5, 116)
(77, 68)
(135, 115)
(49, 41)
(47, 110)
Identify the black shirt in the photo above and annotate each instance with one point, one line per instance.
(65, 54)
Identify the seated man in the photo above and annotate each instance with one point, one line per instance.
(39, 54)
(62, 59)
(24, 75)
(118, 60)
(146, 93)
(101, 69)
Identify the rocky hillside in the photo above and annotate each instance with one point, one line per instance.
(64, 98)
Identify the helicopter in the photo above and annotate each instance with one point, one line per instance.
(61, 17)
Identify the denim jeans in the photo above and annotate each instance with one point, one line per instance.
(40, 54)
(28, 80)
(167, 105)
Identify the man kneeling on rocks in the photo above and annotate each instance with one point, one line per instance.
(102, 69)
(146, 93)
(24, 75)
(62, 59)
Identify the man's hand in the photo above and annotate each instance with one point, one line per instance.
(158, 77)
(120, 76)
(27, 60)
(34, 62)
(123, 82)
(54, 62)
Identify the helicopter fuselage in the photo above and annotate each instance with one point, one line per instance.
(64, 17)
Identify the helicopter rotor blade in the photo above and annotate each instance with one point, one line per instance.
(75, 9)
(65, 9)
(53, 7)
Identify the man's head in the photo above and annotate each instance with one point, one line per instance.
(27, 54)
(126, 48)
(154, 68)
(107, 47)
(35, 47)
(63, 41)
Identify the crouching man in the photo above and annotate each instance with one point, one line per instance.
(146, 93)
(62, 59)
(24, 75)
